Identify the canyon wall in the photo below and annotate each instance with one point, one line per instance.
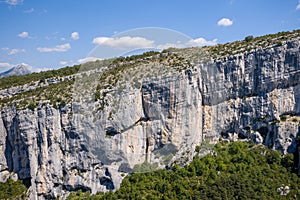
(254, 95)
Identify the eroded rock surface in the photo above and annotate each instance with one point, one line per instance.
(254, 95)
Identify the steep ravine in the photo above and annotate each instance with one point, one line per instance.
(251, 95)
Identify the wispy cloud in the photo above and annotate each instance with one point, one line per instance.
(29, 11)
(57, 48)
(128, 42)
(23, 34)
(63, 62)
(88, 59)
(12, 2)
(125, 42)
(169, 45)
(225, 22)
(37, 69)
(5, 65)
(298, 6)
(15, 51)
(75, 35)
(199, 42)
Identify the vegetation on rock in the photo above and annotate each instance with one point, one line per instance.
(125, 70)
(237, 170)
(12, 190)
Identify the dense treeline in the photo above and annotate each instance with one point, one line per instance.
(235, 171)
(11, 81)
(57, 94)
(12, 190)
(249, 43)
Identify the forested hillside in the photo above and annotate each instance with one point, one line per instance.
(237, 170)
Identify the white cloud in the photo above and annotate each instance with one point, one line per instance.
(57, 48)
(298, 6)
(13, 2)
(36, 69)
(15, 51)
(125, 42)
(169, 45)
(88, 59)
(5, 65)
(23, 34)
(29, 11)
(75, 35)
(63, 62)
(225, 22)
(199, 42)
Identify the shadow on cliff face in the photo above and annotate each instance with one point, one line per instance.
(15, 158)
(297, 153)
(251, 79)
(297, 99)
(108, 103)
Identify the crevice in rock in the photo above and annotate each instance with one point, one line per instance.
(111, 131)
(143, 100)
(107, 182)
(76, 188)
(27, 182)
(8, 154)
(297, 153)
(142, 119)
(8, 146)
(147, 147)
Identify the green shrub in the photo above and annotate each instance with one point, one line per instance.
(31, 106)
(283, 118)
(145, 167)
(249, 38)
(12, 190)
(235, 171)
(197, 149)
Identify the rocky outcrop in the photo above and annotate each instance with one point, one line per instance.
(254, 95)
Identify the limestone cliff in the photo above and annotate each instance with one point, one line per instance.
(253, 95)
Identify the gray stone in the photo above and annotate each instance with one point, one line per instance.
(81, 147)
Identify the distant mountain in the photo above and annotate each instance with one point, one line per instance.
(17, 70)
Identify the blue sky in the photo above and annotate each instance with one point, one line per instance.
(50, 34)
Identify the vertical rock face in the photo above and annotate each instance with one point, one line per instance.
(251, 92)
(42, 147)
(253, 95)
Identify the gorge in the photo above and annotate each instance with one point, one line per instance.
(154, 109)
